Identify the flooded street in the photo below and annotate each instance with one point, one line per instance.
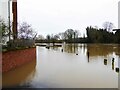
(76, 66)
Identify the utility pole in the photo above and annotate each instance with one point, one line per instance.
(9, 19)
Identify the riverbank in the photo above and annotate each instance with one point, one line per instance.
(14, 59)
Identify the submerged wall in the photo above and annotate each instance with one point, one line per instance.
(14, 59)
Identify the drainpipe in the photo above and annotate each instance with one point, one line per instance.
(9, 19)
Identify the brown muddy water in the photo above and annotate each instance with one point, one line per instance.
(72, 68)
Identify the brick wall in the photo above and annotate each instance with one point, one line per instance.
(14, 59)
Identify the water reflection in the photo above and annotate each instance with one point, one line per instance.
(106, 51)
(93, 49)
(88, 55)
(71, 48)
(93, 67)
(112, 65)
(103, 49)
(69, 66)
(21, 74)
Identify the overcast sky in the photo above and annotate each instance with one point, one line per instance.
(54, 16)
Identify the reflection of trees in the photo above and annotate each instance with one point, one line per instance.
(71, 48)
(55, 48)
(117, 50)
(83, 47)
(102, 49)
(93, 49)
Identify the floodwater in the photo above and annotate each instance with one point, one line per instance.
(76, 66)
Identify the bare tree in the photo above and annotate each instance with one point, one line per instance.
(56, 37)
(25, 31)
(48, 37)
(76, 33)
(108, 26)
(69, 34)
(61, 36)
(40, 37)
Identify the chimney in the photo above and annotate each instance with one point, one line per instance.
(14, 11)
